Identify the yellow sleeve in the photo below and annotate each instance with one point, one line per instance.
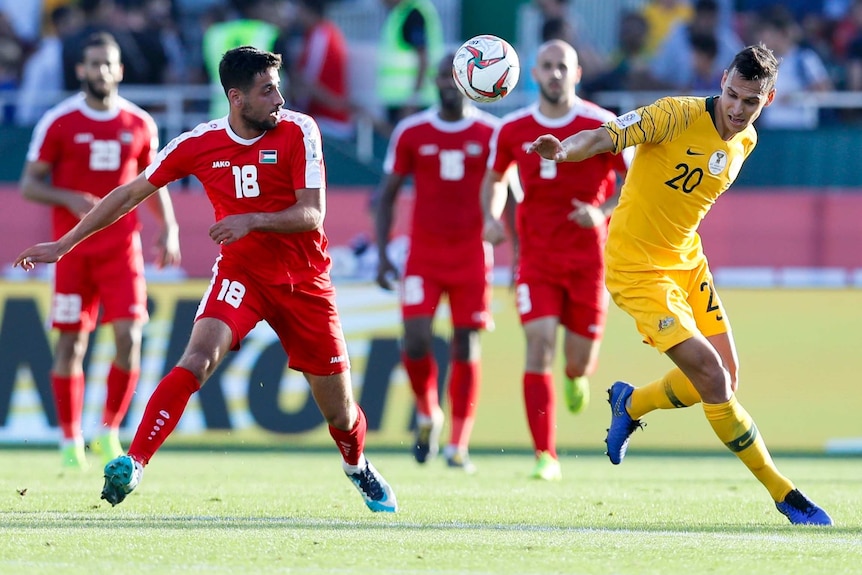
(657, 123)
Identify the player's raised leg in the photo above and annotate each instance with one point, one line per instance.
(209, 342)
(347, 426)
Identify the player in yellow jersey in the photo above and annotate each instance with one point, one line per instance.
(689, 151)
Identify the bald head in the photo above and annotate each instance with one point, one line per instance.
(557, 73)
(559, 49)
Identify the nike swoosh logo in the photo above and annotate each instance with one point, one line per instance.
(689, 152)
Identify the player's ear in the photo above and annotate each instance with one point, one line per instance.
(770, 97)
(234, 97)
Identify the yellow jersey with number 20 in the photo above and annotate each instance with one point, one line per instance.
(681, 166)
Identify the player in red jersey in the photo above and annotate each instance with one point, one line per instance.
(262, 169)
(80, 150)
(319, 84)
(446, 150)
(561, 227)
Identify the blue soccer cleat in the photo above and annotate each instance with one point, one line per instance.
(376, 493)
(802, 511)
(622, 424)
(122, 475)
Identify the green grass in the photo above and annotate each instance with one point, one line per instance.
(249, 511)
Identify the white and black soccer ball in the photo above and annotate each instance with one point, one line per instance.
(486, 68)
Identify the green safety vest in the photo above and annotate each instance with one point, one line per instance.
(397, 60)
(224, 36)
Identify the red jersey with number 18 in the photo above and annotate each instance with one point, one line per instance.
(94, 151)
(259, 175)
(549, 240)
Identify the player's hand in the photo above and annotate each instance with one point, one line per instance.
(46, 253)
(387, 275)
(494, 232)
(168, 248)
(586, 215)
(549, 147)
(80, 204)
(230, 228)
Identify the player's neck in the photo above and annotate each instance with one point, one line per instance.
(451, 114)
(551, 110)
(109, 102)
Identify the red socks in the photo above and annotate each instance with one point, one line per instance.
(463, 398)
(422, 373)
(351, 443)
(163, 412)
(121, 387)
(69, 402)
(540, 403)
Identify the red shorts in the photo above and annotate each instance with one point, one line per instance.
(578, 298)
(303, 316)
(468, 289)
(113, 278)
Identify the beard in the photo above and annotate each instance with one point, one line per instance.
(551, 98)
(263, 125)
(97, 91)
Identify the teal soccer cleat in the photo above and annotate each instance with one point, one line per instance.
(122, 475)
(622, 424)
(802, 511)
(376, 493)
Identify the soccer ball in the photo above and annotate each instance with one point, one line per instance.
(486, 68)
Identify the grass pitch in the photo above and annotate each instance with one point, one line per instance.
(277, 511)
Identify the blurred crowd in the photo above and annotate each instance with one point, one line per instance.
(669, 45)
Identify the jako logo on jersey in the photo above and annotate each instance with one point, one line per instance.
(627, 120)
(83, 138)
(221, 164)
(336, 359)
(267, 157)
(428, 150)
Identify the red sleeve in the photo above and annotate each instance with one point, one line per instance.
(403, 156)
(174, 162)
(502, 156)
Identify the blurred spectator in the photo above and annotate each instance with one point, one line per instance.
(706, 69)
(192, 18)
(673, 63)
(318, 78)
(410, 42)
(103, 16)
(11, 61)
(255, 25)
(661, 16)
(629, 64)
(42, 78)
(133, 16)
(847, 29)
(24, 17)
(853, 60)
(801, 70)
(560, 21)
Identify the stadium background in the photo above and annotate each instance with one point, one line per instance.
(784, 243)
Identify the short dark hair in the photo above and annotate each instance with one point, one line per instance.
(239, 67)
(756, 63)
(98, 39)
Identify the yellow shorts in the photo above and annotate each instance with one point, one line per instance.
(669, 306)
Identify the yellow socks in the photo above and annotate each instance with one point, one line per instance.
(735, 428)
(671, 391)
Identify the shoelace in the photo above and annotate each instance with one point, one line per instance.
(369, 484)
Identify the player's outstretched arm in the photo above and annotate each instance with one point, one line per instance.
(577, 147)
(112, 207)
